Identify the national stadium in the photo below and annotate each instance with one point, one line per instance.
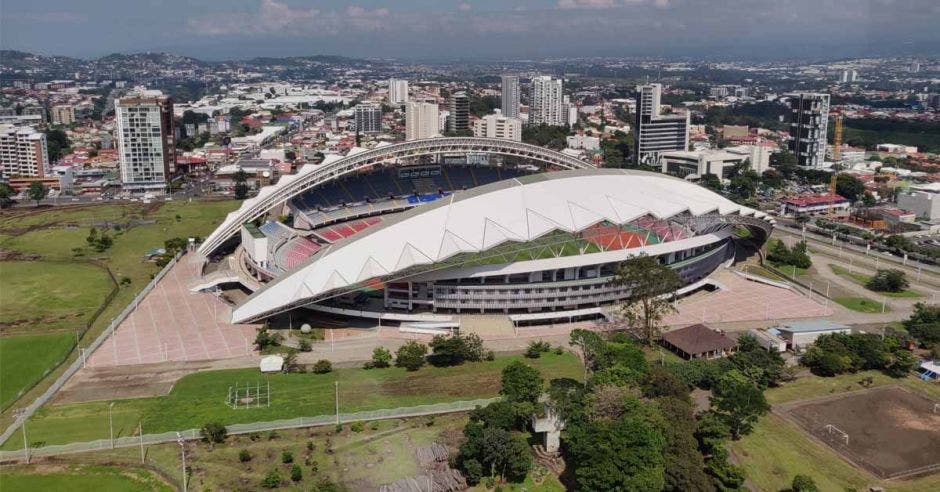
(420, 232)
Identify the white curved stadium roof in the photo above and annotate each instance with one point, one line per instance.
(515, 210)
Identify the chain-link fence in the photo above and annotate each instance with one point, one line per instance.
(77, 364)
(299, 422)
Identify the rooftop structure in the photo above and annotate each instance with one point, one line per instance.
(698, 342)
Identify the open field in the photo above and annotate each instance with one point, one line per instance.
(381, 452)
(862, 279)
(26, 358)
(887, 430)
(52, 233)
(41, 296)
(777, 449)
(79, 478)
(861, 304)
(201, 397)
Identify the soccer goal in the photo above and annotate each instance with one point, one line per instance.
(249, 395)
(836, 433)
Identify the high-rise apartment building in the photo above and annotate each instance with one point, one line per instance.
(23, 152)
(421, 120)
(547, 105)
(63, 114)
(459, 108)
(509, 88)
(146, 147)
(848, 76)
(397, 92)
(655, 133)
(368, 118)
(497, 125)
(809, 121)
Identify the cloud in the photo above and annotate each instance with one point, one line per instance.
(464, 7)
(587, 4)
(60, 17)
(277, 18)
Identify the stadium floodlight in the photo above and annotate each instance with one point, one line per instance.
(111, 423)
(179, 440)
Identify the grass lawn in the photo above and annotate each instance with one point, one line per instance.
(861, 304)
(777, 450)
(41, 295)
(54, 232)
(200, 398)
(80, 479)
(862, 279)
(25, 360)
(763, 272)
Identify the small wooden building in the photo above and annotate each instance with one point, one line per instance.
(698, 342)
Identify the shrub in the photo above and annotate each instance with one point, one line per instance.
(296, 474)
(536, 348)
(310, 446)
(244, 456)
(287, 457)
(304, 345)
(803, 483)
(357, 427)
(214, 432)
(272, 480)
(381, 357)
(314, 466)
(322, 366)
(888, 281)
(272, 435)
(411, 355)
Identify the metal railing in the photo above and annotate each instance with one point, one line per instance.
(299, 422)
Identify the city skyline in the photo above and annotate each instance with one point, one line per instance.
(423, 29)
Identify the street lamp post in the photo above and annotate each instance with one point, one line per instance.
(111, 423)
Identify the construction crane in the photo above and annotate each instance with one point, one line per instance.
(837, 140)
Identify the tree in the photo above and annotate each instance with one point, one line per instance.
(411, 355)
(648, 281)
(521, 383)
(57, 144)
(493, 451)
(591, 344)
(711, 182)
(620, 454)
(803, 483)
(739, 403)
(762, 367)
(272, 480)
(322, 366)
(290, 362)
(924, 324)
(381, 357)
(214, 432)
(240, 178)
(296, 474)
(772, 178)
(849, 187)
(660, 383)
(684, 465)
(37, 191)
(290, 155)
(868, 199)
(785, 163)
(6, 194)
(890, 280)
(455, 349)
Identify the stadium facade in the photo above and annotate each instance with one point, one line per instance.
(425, 242)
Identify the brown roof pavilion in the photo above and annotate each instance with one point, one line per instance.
(698, 341)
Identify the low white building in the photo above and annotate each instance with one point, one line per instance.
(498, 126)
(923, 200)
(896, 149)
(583, 142)
(695, 164)
(802, 334)
(256, 244)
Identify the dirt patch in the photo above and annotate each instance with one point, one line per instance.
(137, 381)
(890, 431)
(7, 255)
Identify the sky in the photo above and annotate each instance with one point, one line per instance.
(474, 29)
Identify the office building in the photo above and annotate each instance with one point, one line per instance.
(23, 152)
(921, 199)
(848, 77)
(509, 86)
(655, 133)
(421, 120)
(63, 114)
(809, 121)
(459, 108)
(397, 92)
(368, 118)
(547, 105)
(146, 147)
(719, 162)
(915, 66)
(497, 125)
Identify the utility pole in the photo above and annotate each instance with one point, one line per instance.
(22, 413)
(111, 423)
(140, 432)
(336, 385)
(179, 440)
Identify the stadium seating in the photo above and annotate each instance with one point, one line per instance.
(336, 232)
